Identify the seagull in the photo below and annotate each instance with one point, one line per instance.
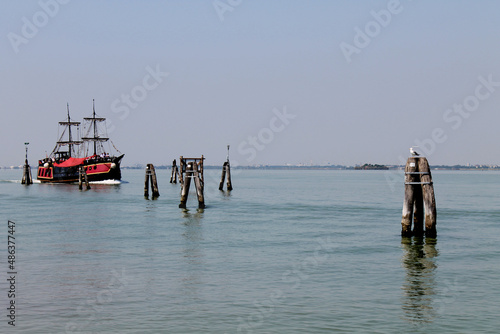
(413, 152)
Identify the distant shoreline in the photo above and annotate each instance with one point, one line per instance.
(336, 167)
(316, 167)
(333, 167)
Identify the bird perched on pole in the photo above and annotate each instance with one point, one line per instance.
(413, 152)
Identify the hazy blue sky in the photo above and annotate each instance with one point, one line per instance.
(340, 82)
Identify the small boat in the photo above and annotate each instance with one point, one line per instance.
(70, 154)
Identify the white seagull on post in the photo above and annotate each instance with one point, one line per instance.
(413, 152)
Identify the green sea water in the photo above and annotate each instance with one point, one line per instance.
(310, 251)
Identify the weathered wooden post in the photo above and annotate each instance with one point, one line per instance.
(419, 199)
(429, 198)
(182, 170)
(154, 181)
(408, 204)
(87, 184)
(226, 171)
(186, 184)
(80, 186)
(199, 185)
(151, 178)
(418, 212)
(82, 178)
(228, 174)
(223, 177)
(193, 169)
(27, 179)
(146, 182)
(175, 171)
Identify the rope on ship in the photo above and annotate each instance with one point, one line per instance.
(114, 146)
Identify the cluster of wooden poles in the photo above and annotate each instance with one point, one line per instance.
(82, 178)
(27, 178)
(189, 168)
(419, 201)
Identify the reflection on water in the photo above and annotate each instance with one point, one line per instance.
(106, 188)
(225, 193)
(419, 286)
(193, 236)
(193, 251)
(151, 208)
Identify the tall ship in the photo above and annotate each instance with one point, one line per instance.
(72, 152)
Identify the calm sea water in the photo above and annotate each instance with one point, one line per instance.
(284, 252)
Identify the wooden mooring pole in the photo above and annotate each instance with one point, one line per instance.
(191, 168)
(419, 199)
(27, 179)
(175, 171)
(82, 178)
(223, 177)
(228, 174)
(199, 187)
(151, 178)
(226, 171)
(185, 185)
(429, 198)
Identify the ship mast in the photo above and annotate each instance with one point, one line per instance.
(70, 142)
(95, 128)
(70, 145)
(93, 125)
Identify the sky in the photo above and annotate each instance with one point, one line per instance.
(282, 82)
